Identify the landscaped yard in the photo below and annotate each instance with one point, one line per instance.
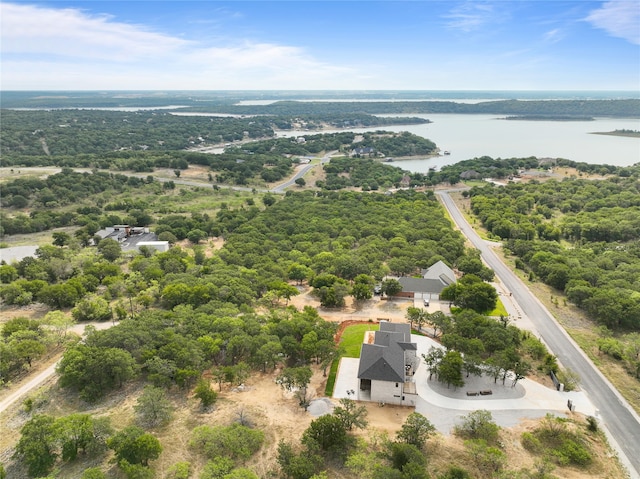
(351, 340)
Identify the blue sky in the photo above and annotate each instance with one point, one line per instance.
(327, 45)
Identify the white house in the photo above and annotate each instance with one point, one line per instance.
(157, 245)
(388, 362)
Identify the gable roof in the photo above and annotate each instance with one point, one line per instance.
(384, 360)
(421, 285)
(441, 272)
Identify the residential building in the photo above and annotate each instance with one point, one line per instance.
(388, 362)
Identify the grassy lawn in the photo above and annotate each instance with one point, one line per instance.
(499, 310)
(351, 340)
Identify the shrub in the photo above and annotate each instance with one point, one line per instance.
(592, 424)
(531, 443)
(478, 425)
(235, 441)
(180, 470)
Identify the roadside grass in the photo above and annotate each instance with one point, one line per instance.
(612, 369)
(585, 333)
(464, 205)
(499, 310)
(351, 339)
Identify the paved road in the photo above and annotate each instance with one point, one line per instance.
(280, 189)
(40, 378)
(299, 174)
(621, 421)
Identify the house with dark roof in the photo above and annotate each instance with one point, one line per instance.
(388, 362)
(366, 150)
(434, 279)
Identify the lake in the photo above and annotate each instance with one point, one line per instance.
(470, 136)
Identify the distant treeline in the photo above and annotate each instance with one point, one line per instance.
(75, 132)
(550, 118)
(584, 108)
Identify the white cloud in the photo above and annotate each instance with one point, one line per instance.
(554, 36)
(29, 29)
(46, 48)
(619, 18)
(470, 16)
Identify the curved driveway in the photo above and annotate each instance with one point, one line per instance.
(621, 421)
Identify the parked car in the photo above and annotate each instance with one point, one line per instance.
(426, 301)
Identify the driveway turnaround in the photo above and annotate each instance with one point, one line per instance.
(445, 406)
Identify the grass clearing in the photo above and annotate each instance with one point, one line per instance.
(351, 339)
(499, 310)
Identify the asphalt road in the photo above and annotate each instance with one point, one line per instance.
(39, 379)
(612, 409)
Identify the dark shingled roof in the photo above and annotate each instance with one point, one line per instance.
(421, 285)
(384, 360)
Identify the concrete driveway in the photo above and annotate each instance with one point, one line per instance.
(445, 406)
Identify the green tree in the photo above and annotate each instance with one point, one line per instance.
(82, 433)
(450, 369)
(92, 308)
(8, 273)
(60, 323)
(351, 414)
(135, 446)
(478, 425)
(109, 249)
(153, 409)
(297, 380)
(180, 470)
(268, 199)
(196, 235)
(299, 272)
(409, 459)
(294, 465)
(236, 441)
(415, 430)
(37, 445)
(93, 473)
(59, 296)
(391, 287)
(328, 433)
(94, 371)
(205, 393)
(60, 238)
(300, 182)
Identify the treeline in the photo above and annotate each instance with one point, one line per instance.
(76, 132)
(82, 132)
(397, 144)
(500, 168)
(51, 202)
(364, 173)
(600, 220)
(616, 108)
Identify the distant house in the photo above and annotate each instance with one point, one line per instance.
(405, 181)
(160, 246)
(469, 175)
(128, 236)
(364, 151)
(434, 279)
(546, 162)
(388, 362)
(115, 232)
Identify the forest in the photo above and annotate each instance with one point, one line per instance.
(378, 103)
(184, 316)
(195, 323)
(85, 132)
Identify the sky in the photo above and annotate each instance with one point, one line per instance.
(320, 45)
